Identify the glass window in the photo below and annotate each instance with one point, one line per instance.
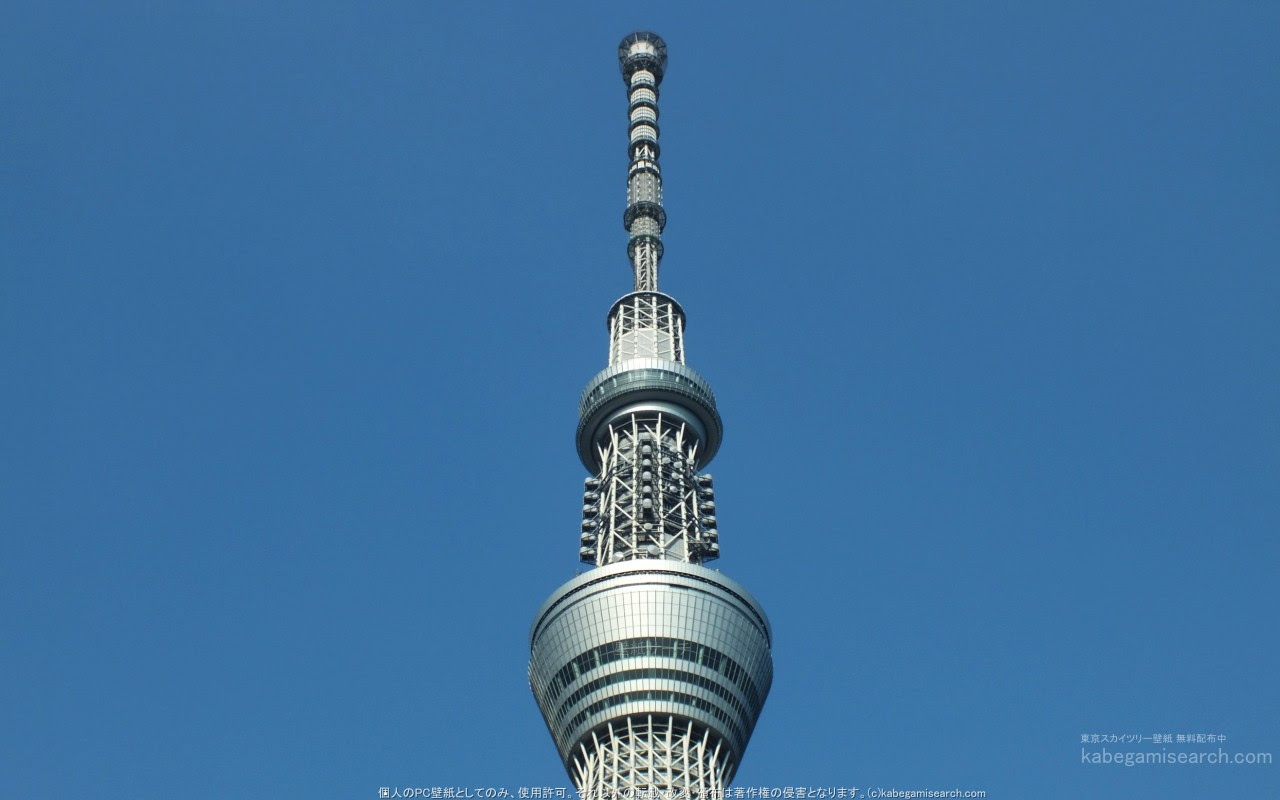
(609, 652)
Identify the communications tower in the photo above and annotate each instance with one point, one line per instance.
(649, 668)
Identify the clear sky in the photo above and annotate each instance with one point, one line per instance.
(298, 299)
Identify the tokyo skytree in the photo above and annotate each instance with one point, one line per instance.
(649, 668)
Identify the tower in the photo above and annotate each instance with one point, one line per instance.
(649, 668)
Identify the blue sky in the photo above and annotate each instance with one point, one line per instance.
(299, 297)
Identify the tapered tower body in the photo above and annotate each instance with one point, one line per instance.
(650, 669)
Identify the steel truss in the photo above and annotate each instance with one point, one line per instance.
(653, 754)
(646, 325)
(648, 502)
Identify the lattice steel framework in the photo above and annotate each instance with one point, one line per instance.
(650, 669)
(648, 502)
(666, 754)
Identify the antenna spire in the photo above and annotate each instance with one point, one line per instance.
(643, 59)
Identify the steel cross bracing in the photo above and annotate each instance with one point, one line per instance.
(662, 754)
(648, 502)
(646, 325)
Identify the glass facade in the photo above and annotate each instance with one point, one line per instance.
(651, 638)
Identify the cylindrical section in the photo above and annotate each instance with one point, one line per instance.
(645, 226)
(646, 324)
(644, 187)
(644, 131)
(641, 210)
(644, 113)
(644, 165)
(644, 94)
(643, 77)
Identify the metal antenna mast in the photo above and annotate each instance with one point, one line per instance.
(650, 669)
(643, 58)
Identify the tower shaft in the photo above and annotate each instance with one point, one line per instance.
(649, 669)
